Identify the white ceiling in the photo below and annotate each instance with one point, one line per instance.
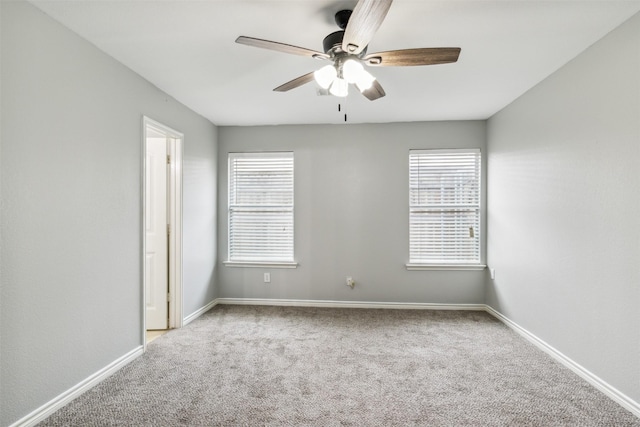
(187, 49)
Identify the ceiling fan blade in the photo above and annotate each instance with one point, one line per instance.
(363, 24)
(295, 83)
(374, 92)
(281, 47)
(410, 57)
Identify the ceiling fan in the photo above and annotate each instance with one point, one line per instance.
(347, 51)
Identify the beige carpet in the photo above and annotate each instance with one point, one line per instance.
(255, 366)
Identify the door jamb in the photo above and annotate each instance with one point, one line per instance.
(174, 218)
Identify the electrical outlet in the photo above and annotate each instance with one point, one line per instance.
(267, 277)
(350, 282)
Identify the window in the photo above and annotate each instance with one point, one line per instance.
(261, 208)
(444, 208)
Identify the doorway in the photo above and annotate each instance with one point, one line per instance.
(161, 227)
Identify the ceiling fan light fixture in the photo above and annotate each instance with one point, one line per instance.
(339, 88)
(365, 80)
(352, 70)
(325, 76)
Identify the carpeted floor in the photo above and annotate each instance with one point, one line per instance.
(255, 366)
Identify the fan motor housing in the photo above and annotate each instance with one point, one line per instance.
(333, 44)
(332, 41)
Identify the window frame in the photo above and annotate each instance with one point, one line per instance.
(468, 264)
(264, 263)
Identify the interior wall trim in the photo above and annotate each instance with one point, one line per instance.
(193, 316)
(59, 401)
(613, 393)
(349, 304)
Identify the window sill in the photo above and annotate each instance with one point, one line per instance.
(256, 264)
(446, 266)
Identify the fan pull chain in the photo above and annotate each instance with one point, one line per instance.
(345, 112)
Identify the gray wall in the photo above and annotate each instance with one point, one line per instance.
(564, 209)
(71, 208)
(199, 217)
(351, 213)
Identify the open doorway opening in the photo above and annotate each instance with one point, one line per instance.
(162, 228)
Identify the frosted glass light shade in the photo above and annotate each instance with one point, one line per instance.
(365, 80)
(325, 76)
(340, 88)
(351, 70)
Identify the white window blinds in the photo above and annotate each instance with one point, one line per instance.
(261, 207)
(444, 206)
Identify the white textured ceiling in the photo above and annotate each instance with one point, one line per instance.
(187, 49)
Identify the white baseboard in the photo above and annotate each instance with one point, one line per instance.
(349, 304)
(58, 402)
(613, 393)
(193, 316)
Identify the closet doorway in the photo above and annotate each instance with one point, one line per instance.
(162, 227)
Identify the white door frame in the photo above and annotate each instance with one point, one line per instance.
(174, 219)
